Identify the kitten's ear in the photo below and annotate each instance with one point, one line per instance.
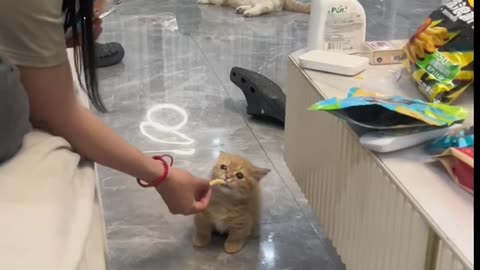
(261, 172)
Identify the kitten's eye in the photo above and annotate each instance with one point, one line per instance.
(223, 167)
(239, 175)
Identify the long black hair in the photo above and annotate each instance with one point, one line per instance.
(79, 17)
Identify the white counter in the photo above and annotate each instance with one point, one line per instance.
(447, 208)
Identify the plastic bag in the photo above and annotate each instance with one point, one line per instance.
(460, 138)
(439, 56)
(375, 111)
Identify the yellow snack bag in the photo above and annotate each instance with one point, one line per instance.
(439, 56)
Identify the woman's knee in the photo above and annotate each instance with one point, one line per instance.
(14, 110)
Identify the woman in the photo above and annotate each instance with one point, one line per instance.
(32, 37)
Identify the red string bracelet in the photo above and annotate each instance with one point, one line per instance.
(158, 181)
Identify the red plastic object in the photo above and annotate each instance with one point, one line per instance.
(459, 164)
(468, 151)
(462, 170)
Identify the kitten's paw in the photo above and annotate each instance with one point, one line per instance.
(201, 241)
(204, 2)
(250, 13)
(241, 9)
(232, 247)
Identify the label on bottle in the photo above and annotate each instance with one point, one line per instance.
(344, 28)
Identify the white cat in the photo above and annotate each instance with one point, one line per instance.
(251, 8)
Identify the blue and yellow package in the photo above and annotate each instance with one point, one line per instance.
(376, 111)
(459, 138)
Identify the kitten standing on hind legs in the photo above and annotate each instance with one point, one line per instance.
(235, 207)
(251, 8)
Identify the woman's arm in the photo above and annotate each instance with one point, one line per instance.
(54, 108)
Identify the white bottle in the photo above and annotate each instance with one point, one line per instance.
(337, 25)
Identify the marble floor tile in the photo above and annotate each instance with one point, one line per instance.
(288, 245)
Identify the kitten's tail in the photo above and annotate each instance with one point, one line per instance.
(297, 6)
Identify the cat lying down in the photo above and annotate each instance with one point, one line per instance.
(251, 8)
(235, 205)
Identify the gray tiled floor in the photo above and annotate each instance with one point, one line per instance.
(180, 53)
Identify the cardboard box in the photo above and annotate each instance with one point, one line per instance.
(386, 52)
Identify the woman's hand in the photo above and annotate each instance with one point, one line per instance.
(184, 193)
(100, 6)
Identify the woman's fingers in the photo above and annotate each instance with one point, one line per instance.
(97, 32)
(97, 28)
(97, 21)
(202, 203)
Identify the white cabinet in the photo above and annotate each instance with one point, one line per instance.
(371, 206)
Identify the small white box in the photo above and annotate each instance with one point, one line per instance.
(386, 52)
(334, 62)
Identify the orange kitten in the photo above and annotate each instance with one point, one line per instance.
(235, 207)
